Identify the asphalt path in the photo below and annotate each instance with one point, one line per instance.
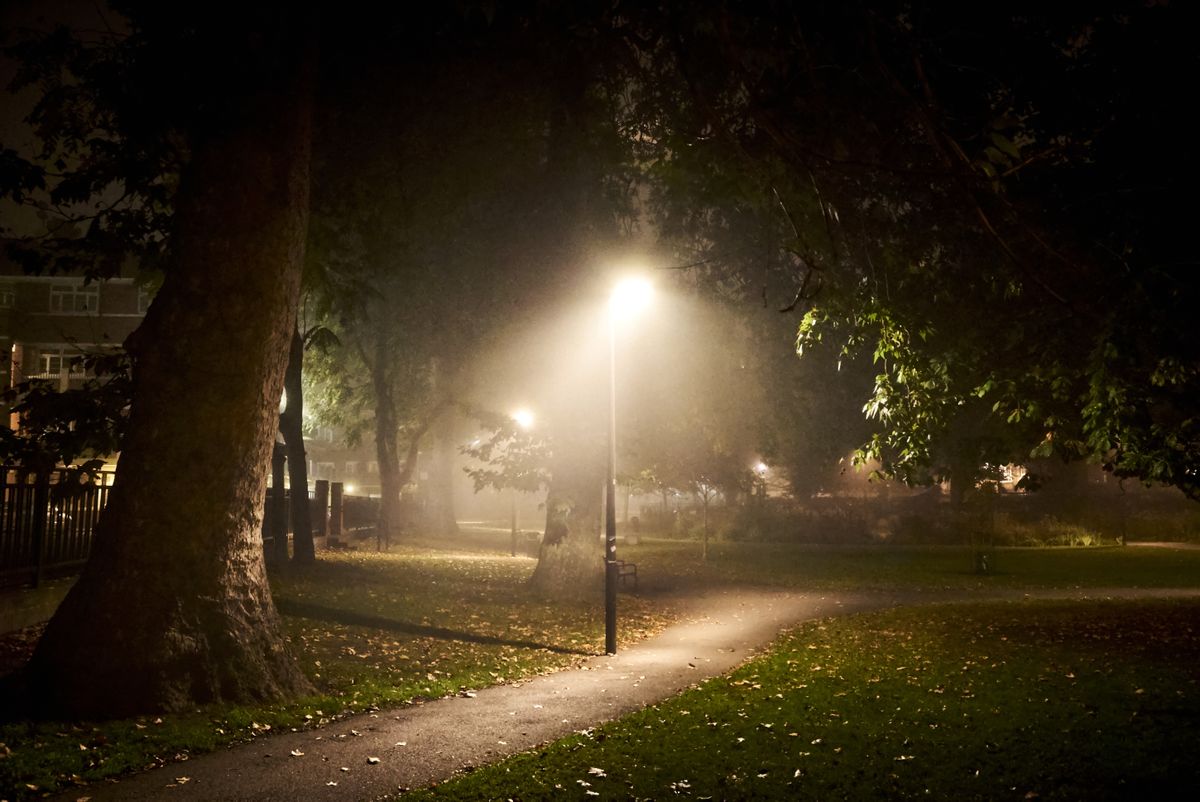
(373, 755)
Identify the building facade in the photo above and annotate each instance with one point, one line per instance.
(48, 323)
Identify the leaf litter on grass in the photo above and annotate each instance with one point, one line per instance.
(357, 666)
(983, 701)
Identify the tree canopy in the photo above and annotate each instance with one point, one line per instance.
(1001, 233)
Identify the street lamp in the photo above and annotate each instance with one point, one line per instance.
(524, 419)
(628, 298)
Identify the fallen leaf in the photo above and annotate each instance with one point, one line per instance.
(297, 753)
(372, 760)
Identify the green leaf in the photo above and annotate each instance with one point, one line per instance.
(1005, 144)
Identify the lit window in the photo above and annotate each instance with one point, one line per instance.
(373, 467)
(352, 469)
(73, 299)
(55, 362)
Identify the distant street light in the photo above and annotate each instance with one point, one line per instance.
(524, 419)
(628, 298)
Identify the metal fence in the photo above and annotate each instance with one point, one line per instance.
(46, 522)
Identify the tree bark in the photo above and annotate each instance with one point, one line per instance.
(571, 558)
(174, 610)
(291, 426)
(440, 515)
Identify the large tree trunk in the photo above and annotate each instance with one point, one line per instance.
(291, 426)
(174, 610)
(440, 515)
(571, 559)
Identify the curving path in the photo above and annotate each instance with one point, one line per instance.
(373, 755)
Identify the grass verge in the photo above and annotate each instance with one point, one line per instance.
(1031, 700)
(370, 630)
(676, 564)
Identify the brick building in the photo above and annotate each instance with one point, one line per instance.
(48, 322)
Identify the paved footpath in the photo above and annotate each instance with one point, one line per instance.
(372, 755)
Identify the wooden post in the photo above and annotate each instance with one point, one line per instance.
(279, 510)
(321, 502)
(41, 510)
(513, 493)
(335, 511)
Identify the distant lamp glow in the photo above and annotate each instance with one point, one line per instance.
(761, 469)
(350, 490)
(523, 418)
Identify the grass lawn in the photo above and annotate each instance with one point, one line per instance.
(676, 564)
(1016, 701)
(370, 630)
(424, 621)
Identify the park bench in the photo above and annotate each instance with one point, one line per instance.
(625, 570)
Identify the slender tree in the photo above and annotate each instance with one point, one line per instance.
(291, 426)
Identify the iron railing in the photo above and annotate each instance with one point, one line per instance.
(46, 521)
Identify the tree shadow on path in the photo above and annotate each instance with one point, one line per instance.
(333, 615)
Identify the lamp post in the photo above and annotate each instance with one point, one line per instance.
(524, 419)
(628, 297)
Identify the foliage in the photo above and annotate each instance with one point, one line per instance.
(999, 234)
(63, 427)
(104, 178)
(511, 457)
(1047, 700)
